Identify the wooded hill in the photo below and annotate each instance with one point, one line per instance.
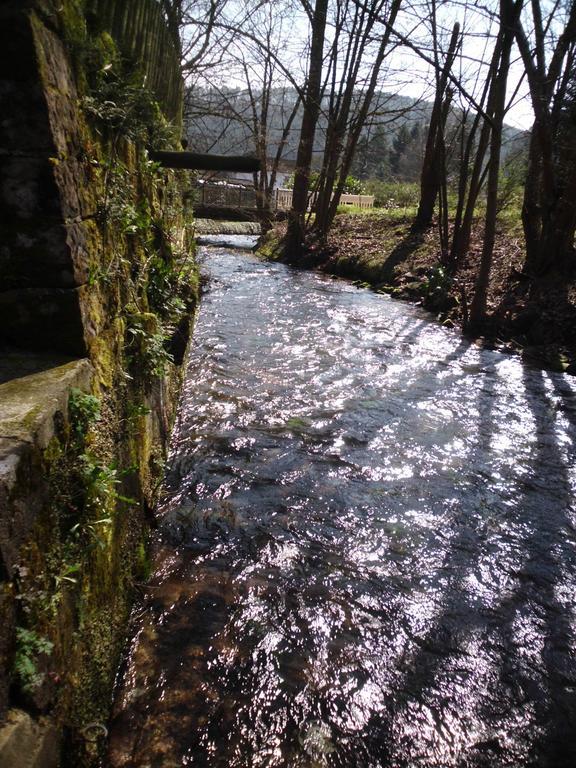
(391, 145)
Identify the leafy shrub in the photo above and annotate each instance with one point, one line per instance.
(83, 410)
(146, 346)
(437, 288)
(127, 109)
(29, 646)
(393, 194)
(353, 186)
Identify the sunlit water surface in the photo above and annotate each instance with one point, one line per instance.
(367, 554)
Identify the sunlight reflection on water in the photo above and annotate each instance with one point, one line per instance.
(367, 552)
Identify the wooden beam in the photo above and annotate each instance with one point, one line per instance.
(197, 162)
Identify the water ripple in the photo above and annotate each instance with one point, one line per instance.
(367, 551)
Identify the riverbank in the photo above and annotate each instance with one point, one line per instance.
(380, 250)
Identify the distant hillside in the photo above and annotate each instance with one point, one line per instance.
(391, 145)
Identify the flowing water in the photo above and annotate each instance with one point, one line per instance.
(367, 554)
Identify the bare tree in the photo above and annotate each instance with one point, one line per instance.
(509, 15)
(356, 57)
(548, 212)
(191, 24)
(311, 110)
(433, 167)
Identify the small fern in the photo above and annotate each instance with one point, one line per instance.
(29, 646)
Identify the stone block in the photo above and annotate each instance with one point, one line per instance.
(43, 319)
(27, 743)
(36, 256)
(28, 189)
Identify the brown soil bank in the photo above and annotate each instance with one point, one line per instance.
(381, 251)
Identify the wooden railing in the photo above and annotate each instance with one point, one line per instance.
(225, 196)
(139, 30)
(360, 201)
(284, 200)
(231, 196)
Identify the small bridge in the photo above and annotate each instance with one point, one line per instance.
(222, 199)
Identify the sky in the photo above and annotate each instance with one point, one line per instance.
(407, 74)
(476, 47)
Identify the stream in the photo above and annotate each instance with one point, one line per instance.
(366, 556)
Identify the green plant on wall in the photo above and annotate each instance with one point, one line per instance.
(29, 647)
(101, 482)
(67, 575)
(84, 410)
(164, 289)
(95, 532)
(100, 487)
(121, 106)
(146, 346)
(118, 207)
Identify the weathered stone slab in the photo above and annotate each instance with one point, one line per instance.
(29, 409)
(28, 405)
(26, 743)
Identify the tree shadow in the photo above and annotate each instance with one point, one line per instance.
(538, 687)
(380, 274)
(410, 243)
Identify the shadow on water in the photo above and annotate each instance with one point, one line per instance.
(381, 579)
(536, 706)
(421, 687)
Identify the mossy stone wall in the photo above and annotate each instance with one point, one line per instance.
(139, 30)
(100, 265)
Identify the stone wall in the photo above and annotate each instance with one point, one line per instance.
(98, 287)
(39, 303)
(139, 29)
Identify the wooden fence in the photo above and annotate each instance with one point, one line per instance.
(142, 36)
(231, 196)
(284, 200)
(360, 201)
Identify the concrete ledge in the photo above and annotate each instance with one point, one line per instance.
(28, 405)
(26, 743)
(30, 408)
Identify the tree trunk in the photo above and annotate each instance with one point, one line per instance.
(341, 101)
(531, 208)
(431, 177)
(466, 203)
(547, 211)
(295, 232)
(509, 12)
